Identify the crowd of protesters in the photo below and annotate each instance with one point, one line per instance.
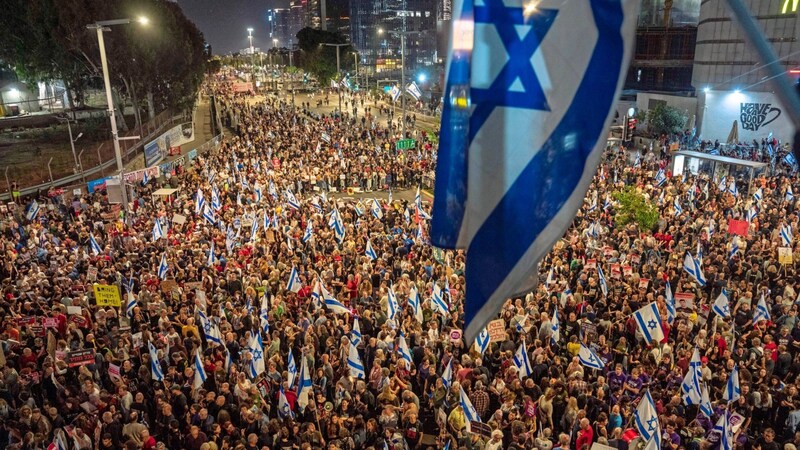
(287, 172)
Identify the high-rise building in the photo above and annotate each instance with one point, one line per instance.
(271, 13)
(288, 22)
(337, 14)
(374, 27)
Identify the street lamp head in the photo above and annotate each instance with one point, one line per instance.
(143, 20)
(250, 30)
(78, 136)
(421, 78)
(380, 30)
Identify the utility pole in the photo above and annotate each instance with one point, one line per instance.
(252, 58)
(403, 35)
(338, 70)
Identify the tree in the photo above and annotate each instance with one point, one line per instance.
(634, 207)
(665, 119)
(320, 60)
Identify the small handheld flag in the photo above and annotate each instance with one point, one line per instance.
(649, 321)
(589, 358)
(521, 362)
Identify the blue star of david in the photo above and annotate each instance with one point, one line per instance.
(725, 309)
(591, 358)
(256, 355)
(207, 327)
(518, 67)
(652, 324)
(651, 424)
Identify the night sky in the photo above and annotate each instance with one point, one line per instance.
(224, 23)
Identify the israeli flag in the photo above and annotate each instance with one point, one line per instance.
(256, 349)
(155, 367)
(789, 197)
(786, 235)
(211, 257)
(790, 160)
(334, 84)
(273, 191)
(669, 299)
(439, 303)
(263, 314)
(402, 348)
(732, 188)
(721, 305)
(677, 205)
(309, 233)
(393, 306)
(210, 330)
(646, 418)
(447, 375)
(32, 211)
(593, 205)
(291, 200)
(555, 328)
(752, 213)
(370, 252)
(483, 340)
(723, 427)
(607, 203)
(589, 358)
(266, 221)
(354, 363)
(163, 267)
(291, 369)
(376, 209)
(335, 306)
(258, 194)
(158, 232)
(325, 137)
(470, 414)
(216, 204)
(723, 184)
(304, 385)
(414, 91)
(732, 390)
(649, 321)
(208, 214)
(294, 284)
(395, 93)
(94, 245)
(734, 249)
(661, 177)
(199, 371)
(693, 267)
(692, 394)
(705, 403)
(603, 283)
(758, 195)
(414, 302)
(359, 209)
(284, 409)
(355, 333)
(130, 305)
(761, 312)
(337, 225)
(638, 162)
(522, 363)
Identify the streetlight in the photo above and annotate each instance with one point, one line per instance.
(252, 56)
(100, 27)
(71, 140)
(403, 35)
(338, 70)
(274, 69)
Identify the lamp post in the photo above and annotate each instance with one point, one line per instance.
(252, 58)
(71, 140)
(403, 35)
(274, 69)
(100, 27)
(338, 70)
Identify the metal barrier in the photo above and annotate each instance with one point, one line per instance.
(158, 124)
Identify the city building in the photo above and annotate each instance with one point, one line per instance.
(375, 28)
(729, 77)
(288, 22)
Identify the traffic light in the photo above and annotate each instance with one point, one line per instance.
(630, 127)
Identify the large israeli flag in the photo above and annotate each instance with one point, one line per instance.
(393, 306)
(694, 267)
(529, 100)
(646, 418)
(649, 321)
(94, 245)
(304, 385)
(284, 408)
(130, 304)
(721, 305)
(723, 427)
(415, 303)
(294, 284)
(163, 267)
(370, 252)
(158, 232)
(32, 210)
(705, 403)
(413, 90)
(355, 333)
(402, 348)
(256, 348)
(199, 371)
(483, 340)
(439, 303)
(469, 411)
(786, 235)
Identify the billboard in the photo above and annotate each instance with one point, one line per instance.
(757, 114)
(158, 149)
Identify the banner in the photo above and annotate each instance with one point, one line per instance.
(738, 227)
(106, 295)
(80, 357)
(157, 149)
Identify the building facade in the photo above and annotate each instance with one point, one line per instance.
(729, 77)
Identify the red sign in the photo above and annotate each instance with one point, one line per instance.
(49, 322)
(615, 271)
(276, 163)
(627, 271)
(738, 227)
(591, 264)
(643, 282)
(174, 150)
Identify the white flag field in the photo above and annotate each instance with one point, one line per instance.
(522, 135)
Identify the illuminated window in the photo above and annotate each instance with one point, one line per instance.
(790, 6)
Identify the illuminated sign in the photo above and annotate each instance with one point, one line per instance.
(790, 6)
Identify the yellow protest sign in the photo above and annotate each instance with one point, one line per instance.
(106, 295)
(785, 255)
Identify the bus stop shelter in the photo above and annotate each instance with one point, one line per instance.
(715, 166)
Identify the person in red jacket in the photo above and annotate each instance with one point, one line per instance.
(585, 436)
